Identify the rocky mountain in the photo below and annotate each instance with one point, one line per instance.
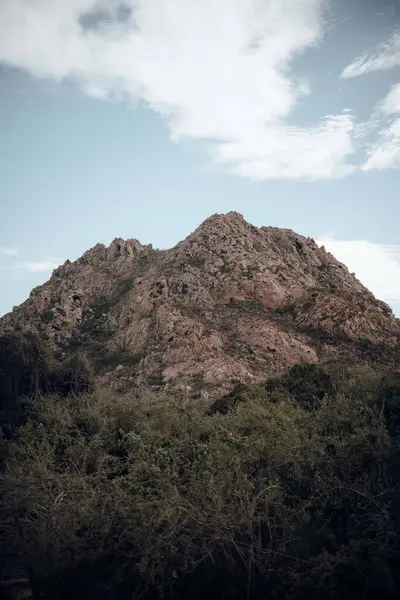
(232, 302)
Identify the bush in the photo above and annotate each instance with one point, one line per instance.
(28, 369)
(228, 402)
(389, 397)
(308, 384)
(73, 377)
(26, 363)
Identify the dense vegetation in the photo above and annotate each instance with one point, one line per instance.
(287, 489)
(29, 369)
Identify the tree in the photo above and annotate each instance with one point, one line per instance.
(74, 376)
(26, 363)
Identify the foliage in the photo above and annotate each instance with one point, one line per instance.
(25, 365)
(28, 369)
(122, 497)
(73, 376)
(104, 360)
(390, 398)
(309, 384)
(227, 403)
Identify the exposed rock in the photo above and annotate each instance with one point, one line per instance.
(232, 302)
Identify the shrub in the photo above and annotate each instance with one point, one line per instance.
(26, 363)
(240, 394)
(74, 376)
(308, 384)
(228, 402)
(389, 397)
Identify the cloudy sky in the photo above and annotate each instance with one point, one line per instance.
(141, 118)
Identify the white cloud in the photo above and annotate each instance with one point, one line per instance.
(42, 266)
(385, 151)
(292, 153)
(377, 266)
(385, 56)
(9, 250)
(391, 104)
(216, 70)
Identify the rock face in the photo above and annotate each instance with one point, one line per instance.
(232, 302)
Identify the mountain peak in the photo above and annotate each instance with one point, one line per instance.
(229, 217)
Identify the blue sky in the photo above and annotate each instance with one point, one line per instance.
(141, 118)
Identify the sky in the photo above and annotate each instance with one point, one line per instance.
(140, 118)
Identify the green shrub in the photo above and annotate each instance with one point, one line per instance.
(389, 397)
(227, 403)
(308, 384)
(74, 376)
(241, 393)
(26, 363)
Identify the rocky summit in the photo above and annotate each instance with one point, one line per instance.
(231, 303)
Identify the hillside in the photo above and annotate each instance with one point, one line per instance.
(232, 302)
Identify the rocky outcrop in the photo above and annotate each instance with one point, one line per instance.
(232, 302)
